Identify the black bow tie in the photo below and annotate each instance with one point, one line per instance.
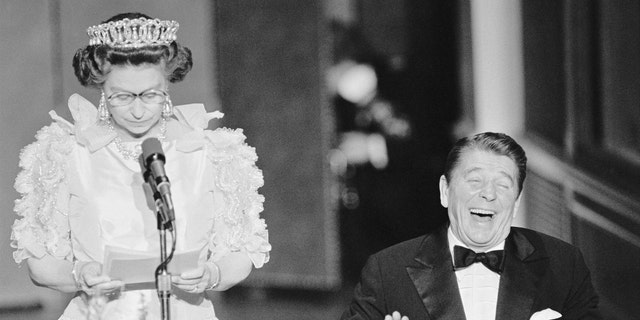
(463, 257)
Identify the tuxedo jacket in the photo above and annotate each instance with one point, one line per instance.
(417, 279)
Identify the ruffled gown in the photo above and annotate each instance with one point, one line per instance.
(79, 195)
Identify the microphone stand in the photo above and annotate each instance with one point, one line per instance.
(162, 276)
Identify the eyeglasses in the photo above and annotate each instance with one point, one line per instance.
(152, 96)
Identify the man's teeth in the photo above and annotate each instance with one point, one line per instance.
(482, 212)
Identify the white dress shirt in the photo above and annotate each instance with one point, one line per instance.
(477, 284)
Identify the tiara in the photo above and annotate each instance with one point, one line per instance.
(133, 33)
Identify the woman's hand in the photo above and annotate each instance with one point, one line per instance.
(90, 278)
(395, 316)
(220, 275)
(196, 280)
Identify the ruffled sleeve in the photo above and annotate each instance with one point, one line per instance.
(236, 179)
(42, 227)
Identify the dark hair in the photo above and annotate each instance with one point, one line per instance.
(498, 143)
(93, 62)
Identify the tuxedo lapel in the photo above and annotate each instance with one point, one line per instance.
(433, 276)
(520, 281)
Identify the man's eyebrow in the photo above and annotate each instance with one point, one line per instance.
(470, 170)
(507, 175)
(502, 172)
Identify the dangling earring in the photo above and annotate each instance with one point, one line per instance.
(103, 112)
(167, 108)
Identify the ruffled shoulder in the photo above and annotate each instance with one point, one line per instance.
(43, 166)
(238, 227)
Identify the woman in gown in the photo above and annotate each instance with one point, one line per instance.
(81, 182)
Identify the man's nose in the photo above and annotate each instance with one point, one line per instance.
(488, 192)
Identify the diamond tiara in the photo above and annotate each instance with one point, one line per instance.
(133, 33)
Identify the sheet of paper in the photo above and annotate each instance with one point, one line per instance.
(139, 267)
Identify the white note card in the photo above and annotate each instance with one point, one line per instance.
(133, 267)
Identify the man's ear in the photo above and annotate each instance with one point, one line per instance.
(517, 205)
(444, 192)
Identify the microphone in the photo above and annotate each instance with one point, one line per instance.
(152, 161)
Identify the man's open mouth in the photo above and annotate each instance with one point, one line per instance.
(486, 214)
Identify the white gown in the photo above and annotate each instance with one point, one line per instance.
(79, 194)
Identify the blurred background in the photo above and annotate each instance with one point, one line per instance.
(352, 106)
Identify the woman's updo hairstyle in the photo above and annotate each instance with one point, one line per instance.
(92, 63)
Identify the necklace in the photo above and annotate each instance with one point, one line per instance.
(134, 154)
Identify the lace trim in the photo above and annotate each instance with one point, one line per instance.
(43, 164)
(237, 176)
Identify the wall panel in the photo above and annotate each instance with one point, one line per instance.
(270, 60)
(27, 88)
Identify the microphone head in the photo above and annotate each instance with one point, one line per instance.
(151, 150)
